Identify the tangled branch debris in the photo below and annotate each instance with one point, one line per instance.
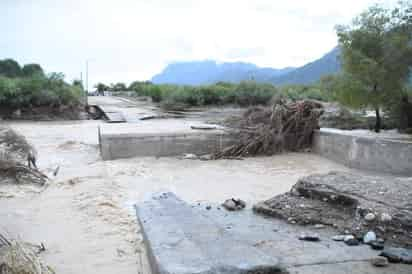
(20, 258)
(286, 126)
(15, 152)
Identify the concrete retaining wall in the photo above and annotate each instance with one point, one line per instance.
(159, 139)
(375, 154)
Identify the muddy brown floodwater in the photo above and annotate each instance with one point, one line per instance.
(85, 217)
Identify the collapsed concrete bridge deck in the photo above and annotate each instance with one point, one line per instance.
(185, 239)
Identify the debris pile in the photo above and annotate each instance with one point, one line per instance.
(286, 126)
(18, 159)
(372, 209)
(18, 257)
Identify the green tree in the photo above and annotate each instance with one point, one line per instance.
(10, 68)
(30, 70)
(376, 57)
(101, 88)
(119, 87)
(78, 83)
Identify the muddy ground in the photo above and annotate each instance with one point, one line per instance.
(85, 216)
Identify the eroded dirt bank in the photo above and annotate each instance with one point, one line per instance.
(85, 217)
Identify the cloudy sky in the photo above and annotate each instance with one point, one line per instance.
(128, 40)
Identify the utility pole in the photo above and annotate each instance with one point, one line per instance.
(87, 80)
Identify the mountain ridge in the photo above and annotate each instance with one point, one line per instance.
(210, 71)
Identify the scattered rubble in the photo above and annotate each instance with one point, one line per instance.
(379, 261)
(339, 238)
(349, 203)
(190, 156)
(369, 237)
(351, 240)
(377, 245)
(398, 255)
(370, 217)
(309, 237)
(234, 204)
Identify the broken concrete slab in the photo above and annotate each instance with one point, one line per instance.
(114, 117)
(349, 267)
(182, 241)
(348, 202)
(191, 239)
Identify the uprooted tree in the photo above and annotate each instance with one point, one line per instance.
(285, 126)
(15, 152)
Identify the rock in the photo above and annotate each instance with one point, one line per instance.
(309, 237)
(348, 237)
(351, 240)
(385, 217)
(369, 237)
(190, 156)
(376, 245)
(379, 261)
(207, 157)
(339, 238)
(234, 204)
(208, 207)
(370, 217)
(398, 255)
(240, 203)
(229, 204)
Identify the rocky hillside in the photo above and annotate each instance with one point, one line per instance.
(209, 72)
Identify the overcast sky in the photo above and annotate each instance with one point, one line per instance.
(128, 40)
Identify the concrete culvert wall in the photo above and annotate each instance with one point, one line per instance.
(367, 153)
(159, 139)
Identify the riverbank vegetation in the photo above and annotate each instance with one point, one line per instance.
(246, 93)
(27, 89)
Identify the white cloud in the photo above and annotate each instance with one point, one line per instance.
(134, 39)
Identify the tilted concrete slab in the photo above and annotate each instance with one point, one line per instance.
(183, 238)
(114, 117)
(182, 241)
(164, 137)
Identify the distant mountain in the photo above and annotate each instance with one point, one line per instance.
(311, 72)
(209, 72)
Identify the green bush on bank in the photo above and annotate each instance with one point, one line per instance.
(38, 91)
(246, 93)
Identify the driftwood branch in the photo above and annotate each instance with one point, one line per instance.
(281, 127)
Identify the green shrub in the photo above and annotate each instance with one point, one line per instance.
(38, 90)
(246, 93)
